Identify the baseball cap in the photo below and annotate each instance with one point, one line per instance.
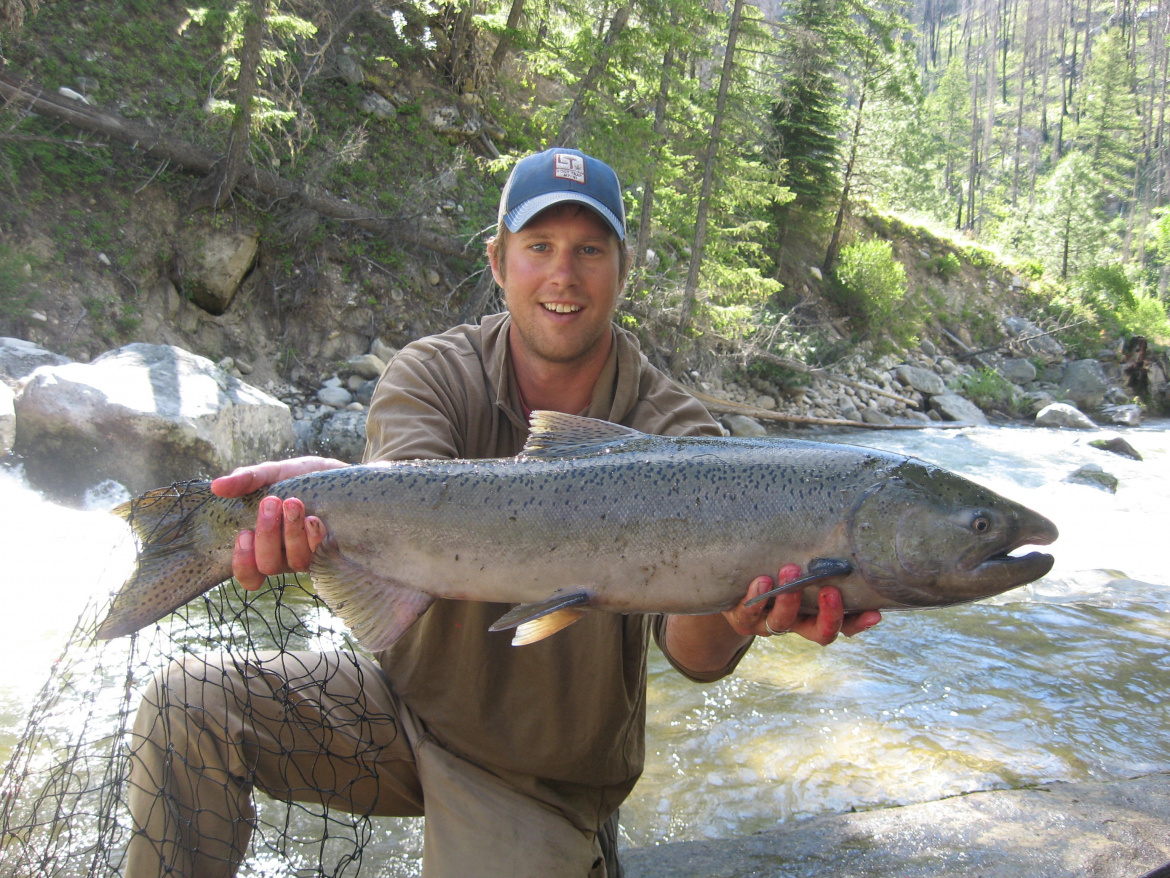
(558, 175)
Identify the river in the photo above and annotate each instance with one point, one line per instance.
(1063, 680)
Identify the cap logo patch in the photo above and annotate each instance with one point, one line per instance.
(569, 167)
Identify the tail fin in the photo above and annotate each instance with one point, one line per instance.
(185, 535)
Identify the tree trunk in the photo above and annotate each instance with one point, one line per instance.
(157, 143)
(217, 189)
(570, 125)
(690, 291)
(847, 181)
(505, 42)
(649, 181)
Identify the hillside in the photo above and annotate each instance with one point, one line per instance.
(102, 242)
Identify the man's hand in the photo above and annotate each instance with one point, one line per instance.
(285, 538)
(782, 614)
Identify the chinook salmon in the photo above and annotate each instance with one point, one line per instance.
(627, 522)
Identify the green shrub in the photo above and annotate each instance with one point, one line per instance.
(870, 286)
(945, 265)
(990, 391)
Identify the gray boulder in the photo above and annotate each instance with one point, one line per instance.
(368, 366)
(1061, 414)
(876, 418)
(19, 358)
(7, 419)
(1085, 383)
(342, 435)
(1018, 370)
(1128, 415)
(1093, 475)
(143, 416)
(1031, 341)
(922, 380)
(1035, 400)
(215, 266)
(744, 427)
(953, 407)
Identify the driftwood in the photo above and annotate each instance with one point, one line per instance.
(723, 406)
(155, 142)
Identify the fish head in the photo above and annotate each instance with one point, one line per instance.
(928, 537)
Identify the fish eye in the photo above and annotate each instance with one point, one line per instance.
(980, 523)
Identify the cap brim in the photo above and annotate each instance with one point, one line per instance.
(520, 216)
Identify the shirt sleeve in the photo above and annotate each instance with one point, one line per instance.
(413, 414)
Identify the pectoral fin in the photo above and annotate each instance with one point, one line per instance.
(537, 621)
(818, 568)
(377, 609)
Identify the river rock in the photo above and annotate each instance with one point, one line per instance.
(1117, 445)
(1095, 476)
(743, 427)
(343, 436)
(1128, 415)
(953, 407)
(214, 266)
(143, 416)
(19, 358)
(1085, 383)
(1033, 401)
(7, 419)
(922, 380)
(876, 418)
(368, 366)
(338, 397)
(1061, 414)
(1018, 370)
(383, 351)
(1031, 340)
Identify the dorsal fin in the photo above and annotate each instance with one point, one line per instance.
(554, 435)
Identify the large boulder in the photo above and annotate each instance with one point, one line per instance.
(1061, 414)
(953, 407)
(19, 358)
(1018, 370)
(7, 419)
(144, 416)
(922, 380)
(1085, 383)
(1032, 341)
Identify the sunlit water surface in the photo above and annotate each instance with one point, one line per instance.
(1063, 680)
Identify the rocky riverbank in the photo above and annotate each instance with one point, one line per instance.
(145, 415)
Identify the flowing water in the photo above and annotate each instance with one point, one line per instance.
(1063, 680)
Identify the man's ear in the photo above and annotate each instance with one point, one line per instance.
(495, 260)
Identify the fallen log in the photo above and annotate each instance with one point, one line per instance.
(155, 142)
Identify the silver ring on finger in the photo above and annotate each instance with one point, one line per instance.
(772, 630)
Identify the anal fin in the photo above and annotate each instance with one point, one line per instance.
(538, 620)
(377, 609)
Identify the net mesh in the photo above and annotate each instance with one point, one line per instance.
(64, 794)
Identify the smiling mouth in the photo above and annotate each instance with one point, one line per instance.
(560, 308)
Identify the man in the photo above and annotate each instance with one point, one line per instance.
(518, 756)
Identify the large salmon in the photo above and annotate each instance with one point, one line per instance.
(595, 516)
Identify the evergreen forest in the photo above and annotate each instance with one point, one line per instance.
(769, 151)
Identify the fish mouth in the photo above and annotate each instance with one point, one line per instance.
(1005, 570)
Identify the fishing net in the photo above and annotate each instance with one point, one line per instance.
(64, 791)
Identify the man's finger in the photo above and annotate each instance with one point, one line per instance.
(857, 622)
(244, 562)
(270, 537)
(297, 552)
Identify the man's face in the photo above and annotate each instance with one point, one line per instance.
(561, 279)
